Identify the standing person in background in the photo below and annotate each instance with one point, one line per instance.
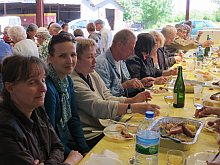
(26, 136)
(59, 100)
(95, 36)
(78, 34)
(23, 46)
(43, 39)
(31, 31)
(65, 27)
(106, 35)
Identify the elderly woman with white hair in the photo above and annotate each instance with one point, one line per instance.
(23, 46)
(43, 39)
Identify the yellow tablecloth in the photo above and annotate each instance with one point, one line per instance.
(206, 140)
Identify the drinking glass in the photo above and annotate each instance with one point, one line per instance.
(175, 157)
(132, 129)
(198, 101)
(168, 97)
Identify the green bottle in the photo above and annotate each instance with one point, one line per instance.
(207, 49)
(179, 90)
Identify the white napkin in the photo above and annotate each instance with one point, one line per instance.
(105, 153)
(107, 157)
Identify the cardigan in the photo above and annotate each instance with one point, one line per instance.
(94, 105)
(53, 108)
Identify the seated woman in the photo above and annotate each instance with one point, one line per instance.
(94, 100)
(141, 65)
(59, 99)
(26, 136)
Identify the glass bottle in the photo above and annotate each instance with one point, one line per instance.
(179, 90)
(207, 49)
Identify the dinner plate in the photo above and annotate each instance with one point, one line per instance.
(114, 132)
(208, 119)
(201, 156)
(103, 161)
(215, 71)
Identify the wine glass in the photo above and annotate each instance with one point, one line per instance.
(175, 157)
(168, 97)
(198, 101)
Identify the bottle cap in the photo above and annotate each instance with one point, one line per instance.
(149, 114)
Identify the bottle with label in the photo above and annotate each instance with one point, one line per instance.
(147, 142)
(199, 54)
(179, 90)
(207, 51)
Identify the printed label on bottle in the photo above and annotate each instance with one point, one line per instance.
(175, 98)
(150, 150)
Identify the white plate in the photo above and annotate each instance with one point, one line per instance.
(207, 119)
(215, 71)
(106, 122)
(103, 161)
(202, 156)
(114, 132)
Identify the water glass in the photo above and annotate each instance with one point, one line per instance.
(198, 64)
(175, 157)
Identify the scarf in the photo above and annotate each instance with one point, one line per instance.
(61, 86)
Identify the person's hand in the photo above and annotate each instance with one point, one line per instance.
(133, 83)
(170, 72)
(207, 43)
(73, 158)
(141, 97)
(216, 162)
(205, 111)
(142, 108)
(178, 59)
(147, 81)
(160, 80)
(37, 162)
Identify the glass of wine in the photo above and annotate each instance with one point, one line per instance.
(175, 157)
(198, 101)
(168, 97)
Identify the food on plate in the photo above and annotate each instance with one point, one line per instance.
(160, 90)
(206, 75)
(182, 131)
(215, 96)
(124, 131)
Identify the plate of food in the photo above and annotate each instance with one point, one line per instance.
(200, 158)
(215, 71)
(208, 123)
(182, 129)
(158, 91)
(118, 132)
(212, 99)
(203, 75)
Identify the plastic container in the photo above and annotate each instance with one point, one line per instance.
(167, 143)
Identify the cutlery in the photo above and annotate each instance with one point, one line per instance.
(163, 134)
(216, 156)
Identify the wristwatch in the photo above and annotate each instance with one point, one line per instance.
(129, 111)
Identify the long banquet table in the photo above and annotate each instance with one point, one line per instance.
(207, 141)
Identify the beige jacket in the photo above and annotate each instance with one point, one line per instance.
(94, 105)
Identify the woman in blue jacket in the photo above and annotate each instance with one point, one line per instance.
(59, 100)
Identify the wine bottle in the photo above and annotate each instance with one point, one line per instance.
(207, 49)
(179, 90)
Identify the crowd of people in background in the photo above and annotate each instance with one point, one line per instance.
(56, 85)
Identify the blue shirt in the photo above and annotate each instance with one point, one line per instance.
(108, 71)
(5, 49)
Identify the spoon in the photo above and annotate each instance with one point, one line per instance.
(163, 134)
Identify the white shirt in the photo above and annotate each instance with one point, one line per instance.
(26, 47)
(106, 39)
